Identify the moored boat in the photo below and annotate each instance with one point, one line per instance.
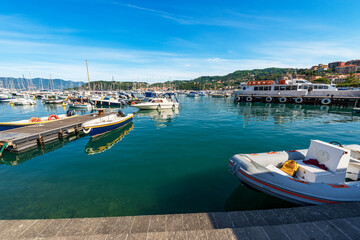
(35, 120)
(106, 123)
(322, 174)
(23, 100)
(168, 101)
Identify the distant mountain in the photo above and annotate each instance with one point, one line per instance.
(38, 83)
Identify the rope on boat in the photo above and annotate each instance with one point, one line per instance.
(3, 148)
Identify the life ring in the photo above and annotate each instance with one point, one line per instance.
(282, 99)
(299, 100)
(237, 98)
(325, 101)
(248, 99)
(53, 117)
(132, 103)
(35, 119)
(268, 99)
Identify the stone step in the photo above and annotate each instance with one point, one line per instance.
(157, 224)
(328, 229)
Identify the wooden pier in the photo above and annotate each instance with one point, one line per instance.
(317, 100)
(24, 138)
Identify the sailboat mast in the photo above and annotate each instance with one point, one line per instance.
(87, 69)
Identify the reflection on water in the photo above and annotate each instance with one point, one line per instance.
(285, 113)
(13, 159)
(105, 142)
(161, 118)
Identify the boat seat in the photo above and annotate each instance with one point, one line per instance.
(315, 174)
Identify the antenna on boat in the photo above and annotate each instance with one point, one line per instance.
(87, 69)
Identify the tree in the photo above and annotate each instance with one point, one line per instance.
(322, 80)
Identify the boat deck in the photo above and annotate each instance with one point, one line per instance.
(338, 221)
(24, 138)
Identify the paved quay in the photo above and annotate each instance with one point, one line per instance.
(339, 221)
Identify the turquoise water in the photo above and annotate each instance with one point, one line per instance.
(166, 162)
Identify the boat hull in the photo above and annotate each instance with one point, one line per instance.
(101, 129)
(144, 106)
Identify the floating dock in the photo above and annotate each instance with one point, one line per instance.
(24, 138)
(321, 100)
(337, 221)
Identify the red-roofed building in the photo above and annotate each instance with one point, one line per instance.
(336, 64)
(353, 62)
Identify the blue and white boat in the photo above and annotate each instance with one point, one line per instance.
(106, 123)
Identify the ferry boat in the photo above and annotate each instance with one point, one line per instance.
(293, 88)
(106, 123)
(168, 101)
(324, 173)
(35, 120)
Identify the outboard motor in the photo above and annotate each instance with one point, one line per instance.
(70, 113)
(121, 114)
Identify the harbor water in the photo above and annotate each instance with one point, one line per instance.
(165, 162)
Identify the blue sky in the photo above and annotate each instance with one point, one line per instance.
(160, 40)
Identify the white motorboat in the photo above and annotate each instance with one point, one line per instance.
(168, 101)
(322, 174)
(52, 99)
(5, 98)
(80, 105)
(23, 100)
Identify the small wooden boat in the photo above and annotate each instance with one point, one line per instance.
(106, 123)
(35, 120)
(322, 174)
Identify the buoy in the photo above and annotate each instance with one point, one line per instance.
(248, 99)
(268, 99)
(53, 117)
